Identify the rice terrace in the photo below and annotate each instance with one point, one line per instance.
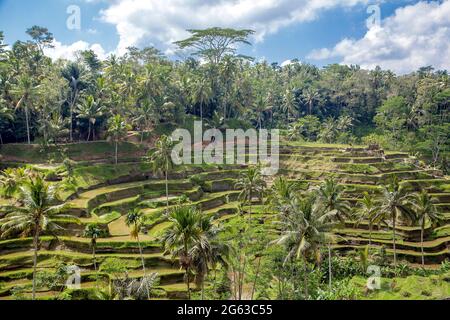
(341, 193)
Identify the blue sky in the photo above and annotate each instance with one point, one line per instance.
(316, 31)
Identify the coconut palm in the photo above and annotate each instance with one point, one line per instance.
(117, 130)
(208, 251)
(310, 96)
(11, 179)
(252, 185)
(93, 232)
(368, 211)
(75, 75)
(331, 194)
(134, 221)
(281, 193)
(395, 204)
(201, 93)
(36, 215)
(5, 113)
(425, 207)
(26, 90)
(305, 226)
(144, 116)
(290, 104)
(161, 158)
(185, 233)
(90, 110)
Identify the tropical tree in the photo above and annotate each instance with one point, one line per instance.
(36, 215)
(201, 93)
(252, 185)
(117, 130)
(93, 232)
(90, 110)
(310, 96)
(143, 117)
(425, 207)
(5, 113)
(161, 158)
(395, 203)
(184, 234)
(76, 77)
(281, 193)
(331, 195)
(368, 211)
(11, 179)
(305, 225)
(134, 221)
(290, 104)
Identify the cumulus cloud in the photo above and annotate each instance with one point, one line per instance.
(62, 51)
(156, 22)
(414, 36)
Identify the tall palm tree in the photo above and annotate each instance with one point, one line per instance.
(290, 104)
(208, 251)
(134, 221)
(310, 96)
(35, 216)
(331, 194)
(90, 110)
(368, 211)
(281, 193)
(182, 236)
(143, 117)
(93, 232)
(5, 113)
(201, 93)
(395, 203)
(26, 90)
(117, 130)
(75, 77)
(425, 207)
(305, 226)
(252, 185)
(161, 158)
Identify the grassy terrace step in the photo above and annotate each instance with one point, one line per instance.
(87, 201)
(109, 245)
(410, 255)
(48, 259)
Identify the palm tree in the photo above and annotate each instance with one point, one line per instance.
(35, 216)
(289, 104)
(331, 194)
(305, 225)
(310, 96)
(182, 236)
(395, 203)
(134, 220)
(11, 179)
(281, 193)
(252, 184)
(208, 251)
(90, 110)
(75, 77)
(425, 209)
(6, 113)
(201, 93)
(161, 158)
(26, 90)
(117, 130)
(368, 210)
(144, 115)
(93, 232)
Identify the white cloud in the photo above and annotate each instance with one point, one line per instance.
(415, 36)
(147, 22)
(62, 51)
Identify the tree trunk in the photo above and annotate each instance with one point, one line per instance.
(94, 258)
(370, 233)
(143, 265)
(421, 242)
(89, 132)
(330, 276)
(394, 218)
(167, 187)
(256, 278)
(117, 152)
(305, 278)
(27, 120)
(35, 255)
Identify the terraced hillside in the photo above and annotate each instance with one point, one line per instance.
(105, 201)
